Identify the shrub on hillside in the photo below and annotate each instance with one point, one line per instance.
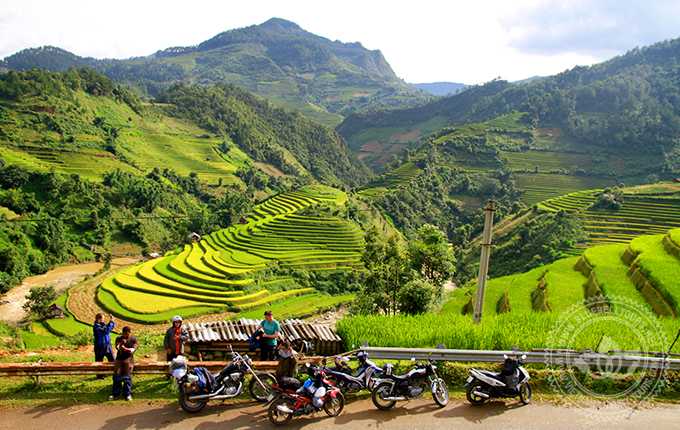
(39, 300)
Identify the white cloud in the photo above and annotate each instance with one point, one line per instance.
(428, 40)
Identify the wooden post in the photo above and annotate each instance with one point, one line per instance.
(484, 259)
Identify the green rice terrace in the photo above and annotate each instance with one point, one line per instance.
(520, 310)
(228, 270)
(642, 212)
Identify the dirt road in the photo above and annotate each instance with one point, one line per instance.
(61, 277)
(358, 414)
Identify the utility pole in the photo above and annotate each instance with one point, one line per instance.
(484, 259)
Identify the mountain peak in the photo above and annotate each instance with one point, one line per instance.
(280, 24)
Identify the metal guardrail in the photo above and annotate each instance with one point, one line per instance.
(611, 362)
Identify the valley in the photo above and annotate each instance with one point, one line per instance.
(270, 168)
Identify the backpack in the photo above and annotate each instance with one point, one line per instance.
(254, 340)
(206, 380)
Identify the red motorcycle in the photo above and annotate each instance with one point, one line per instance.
(316, 394)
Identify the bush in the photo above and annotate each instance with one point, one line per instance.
(38, 301)
(415, 297)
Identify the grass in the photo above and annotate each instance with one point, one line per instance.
(67, 326)
(611, 274)
(659, 267)
(500, 332)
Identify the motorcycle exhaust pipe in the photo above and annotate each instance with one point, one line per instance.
(395, 399)
(480, 394)
(215, 396)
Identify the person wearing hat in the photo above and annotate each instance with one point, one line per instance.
(175, 338)
(271, 332)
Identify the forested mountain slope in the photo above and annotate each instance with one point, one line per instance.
(628, 102)
(81, 122)
(277, 59)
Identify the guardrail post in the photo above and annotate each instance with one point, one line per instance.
(484, 259)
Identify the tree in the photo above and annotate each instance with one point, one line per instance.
(388, 270)
(416, 296)
(38, 301)
(432, 257)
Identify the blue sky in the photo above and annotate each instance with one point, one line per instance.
(424, 41)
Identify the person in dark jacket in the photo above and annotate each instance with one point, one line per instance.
(126, 345)
(175, 338)
(102, 339)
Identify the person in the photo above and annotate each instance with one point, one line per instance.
(287, 367)
(126, 345)
(102, 339)
(175, 338)
(271, 332)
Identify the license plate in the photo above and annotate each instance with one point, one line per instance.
(469, 379)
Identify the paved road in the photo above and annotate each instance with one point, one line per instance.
(361, 414)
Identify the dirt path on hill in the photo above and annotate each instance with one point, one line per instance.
(359, 414)
(62, 277)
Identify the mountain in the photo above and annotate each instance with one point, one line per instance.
(277, 59)
(441, 88)
(81, 122)
(622, 105)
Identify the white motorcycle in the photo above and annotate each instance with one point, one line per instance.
(511, 382)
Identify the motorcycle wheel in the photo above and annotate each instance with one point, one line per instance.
(257, 391)
(334, 406)
(525, 393)
(278, 417)
(474, 399)
(378, 396)
(440, 392)
(191, 406)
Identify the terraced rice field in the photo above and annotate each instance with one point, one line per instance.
(223, 271)
(395, 178)
(640, 214)
(537, 187)
(642, 274)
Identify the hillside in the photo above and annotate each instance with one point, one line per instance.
(81, 122)
(638, 272)
(614, 106)
(613, 297)
(277, 59)
(260, 261)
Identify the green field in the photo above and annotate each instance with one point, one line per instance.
(641, 213)
(227, 270)
(637, 281)
(144, 141)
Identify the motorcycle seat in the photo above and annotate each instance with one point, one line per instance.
(410, 374)
(289, 383)
(495, 375)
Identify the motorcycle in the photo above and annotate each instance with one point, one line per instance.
(316, 394)
(350, 381)
(227, 384)
(511, 382)
(392, 388)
